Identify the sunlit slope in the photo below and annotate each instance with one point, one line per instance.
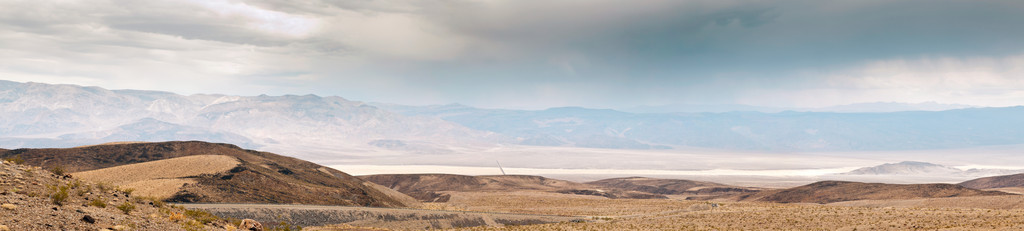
(160, 178)
(255, 177)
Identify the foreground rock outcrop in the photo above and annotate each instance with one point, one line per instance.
(32, 198)
(257, 177)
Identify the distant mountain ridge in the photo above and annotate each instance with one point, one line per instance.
(328, 128)
(923, 168)
(785, 131)
(878, 107)
(45, 115)
(905, 168)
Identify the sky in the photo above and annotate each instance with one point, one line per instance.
(530, 53)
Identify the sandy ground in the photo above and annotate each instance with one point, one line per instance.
(968, 213)
(160, 178)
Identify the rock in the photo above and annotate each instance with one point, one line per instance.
(89, 219)
(4, 228)
(251, 225)
(9, 206)
(120, 227)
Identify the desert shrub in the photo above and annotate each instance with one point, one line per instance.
(126, 191)
(201, 216)
(98, 202)
(15, 159)
(284, 226)
(59, 194)
(159, 203)
(192, 226)
(126, 207)
(471, 222)
(513, 222)
(59, 170)
(81, 192)
(103, 187)
(176, 217)
(156, 202)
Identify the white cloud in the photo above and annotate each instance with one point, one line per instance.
(598, 53)
(980, 81)
(262, 19)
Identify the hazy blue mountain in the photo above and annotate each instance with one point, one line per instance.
(910, 168)
(786, 131)
(45, 115)
(906, 168)
(889, 107)
(849, 108)
(698, 108)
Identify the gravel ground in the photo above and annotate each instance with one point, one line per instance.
(390, 218)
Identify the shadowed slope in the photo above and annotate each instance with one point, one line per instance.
(669, 186)
(426, 187)
(261, 177)
(1008, 181)
(836, 191)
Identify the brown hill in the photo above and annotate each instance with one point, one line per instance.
(430, 187)
(1008, 181)
(260, 177)
(836, 191)
(670, 186)
(36, 199)
(160, 178)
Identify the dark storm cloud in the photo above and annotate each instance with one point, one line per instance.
(526, 53)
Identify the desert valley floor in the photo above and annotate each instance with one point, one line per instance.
(208, 186)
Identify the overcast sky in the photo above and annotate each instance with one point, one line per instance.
(530, 53)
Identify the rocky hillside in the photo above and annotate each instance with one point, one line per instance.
(1008, 181)
(258, 177)
(32, 198)
(836, 191)
(431, 187)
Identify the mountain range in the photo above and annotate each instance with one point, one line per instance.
(849, 108)
(784, 131)
(924, 168)
(46, 115)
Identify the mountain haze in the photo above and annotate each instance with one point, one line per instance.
(326, 128)
(44, 115)
(909, 168)
(785, 131)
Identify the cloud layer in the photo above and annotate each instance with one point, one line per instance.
(527, 53)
